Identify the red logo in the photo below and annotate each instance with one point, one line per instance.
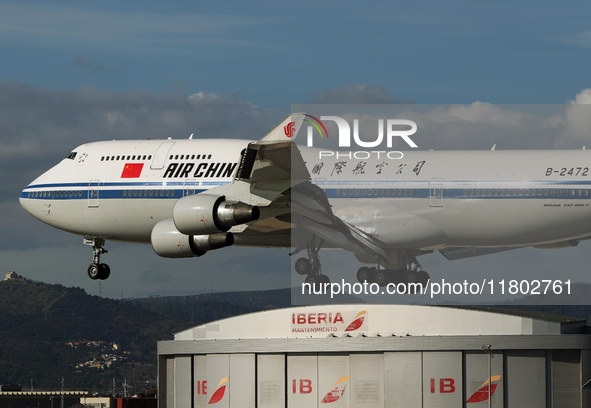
(337, 391)
(482, 393)
(219, 392)
(289, 129)
(328, 322)
(355, 324)
(132, 170)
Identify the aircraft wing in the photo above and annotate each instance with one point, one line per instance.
(273, 175)
(469, 252)
(455, 253)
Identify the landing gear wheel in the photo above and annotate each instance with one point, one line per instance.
(105, 271)
(381, 277)
(303, 266)
(423, 277)
(97, 270)
(324, 279)
(398, 276)
(363, 274)
(94, 271)
(314, 281)
(420, 277)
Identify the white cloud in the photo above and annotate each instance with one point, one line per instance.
(357, 94)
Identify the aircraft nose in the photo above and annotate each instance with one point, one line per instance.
(26, 201)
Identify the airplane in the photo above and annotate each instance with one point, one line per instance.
(187, 197)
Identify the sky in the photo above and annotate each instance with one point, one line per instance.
(73, 72)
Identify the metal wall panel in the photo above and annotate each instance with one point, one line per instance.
(442, 379)
(566, 378)
(182, 382)
(242, 381)
(403, 379)
(526, 378)
(367, 380)
(476, 380)
(218, 373)
(333, 380)
(271, 380)
(169, 383)
(586, 376)
(302, 381)
(200, 381)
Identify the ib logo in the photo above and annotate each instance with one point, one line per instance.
(337, 391)
(387, 129)
(357, 322)
(219, 392)
(483, 392)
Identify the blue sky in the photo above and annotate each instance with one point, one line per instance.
(276, 53)
(73, 72)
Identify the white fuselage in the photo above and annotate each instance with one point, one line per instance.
(120, 190)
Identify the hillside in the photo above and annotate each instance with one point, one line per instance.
(49, 331)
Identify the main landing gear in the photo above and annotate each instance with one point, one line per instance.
(310, 266)
(408, 270)
(400, 266)
(97, 270)
(385, 276)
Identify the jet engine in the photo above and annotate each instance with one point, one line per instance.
(168, 242)
(203, 214)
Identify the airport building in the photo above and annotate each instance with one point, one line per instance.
(378, 356)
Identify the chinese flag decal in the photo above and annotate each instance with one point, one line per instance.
(132, 170)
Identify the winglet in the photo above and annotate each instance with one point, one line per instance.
(285, 131)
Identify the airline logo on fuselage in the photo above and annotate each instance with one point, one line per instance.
(199, 170)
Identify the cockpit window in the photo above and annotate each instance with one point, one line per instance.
(71, 156)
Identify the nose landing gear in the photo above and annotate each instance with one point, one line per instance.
(97, 270)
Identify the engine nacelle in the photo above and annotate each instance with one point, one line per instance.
(168, 242)
(204, 214)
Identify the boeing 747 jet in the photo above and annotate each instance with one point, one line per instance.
(188, 197)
